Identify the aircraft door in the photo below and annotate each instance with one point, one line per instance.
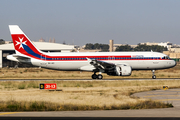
(43, 62)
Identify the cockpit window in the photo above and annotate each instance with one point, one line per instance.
(166, 57)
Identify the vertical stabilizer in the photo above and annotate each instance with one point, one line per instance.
(22, 43)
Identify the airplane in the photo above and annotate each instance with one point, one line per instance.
(111, 63)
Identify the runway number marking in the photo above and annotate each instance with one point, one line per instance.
(9, 113)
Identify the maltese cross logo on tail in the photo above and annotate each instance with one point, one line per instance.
(20, 42)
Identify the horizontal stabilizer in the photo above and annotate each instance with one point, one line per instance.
(20, 56)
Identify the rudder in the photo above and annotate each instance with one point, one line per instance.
(22, 43)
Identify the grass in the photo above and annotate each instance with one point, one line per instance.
(80, 95)
(48, 106)
(22, 86)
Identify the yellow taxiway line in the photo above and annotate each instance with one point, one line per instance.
(9, 113)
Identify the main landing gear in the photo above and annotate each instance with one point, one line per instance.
(153, 74)
(99, 76)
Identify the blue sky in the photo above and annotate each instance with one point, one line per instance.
(93, 21)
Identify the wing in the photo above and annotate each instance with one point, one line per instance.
(101, 64)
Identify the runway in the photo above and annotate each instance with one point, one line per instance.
(130, 79)
(168, 112)
(171, 96)
(167, 96)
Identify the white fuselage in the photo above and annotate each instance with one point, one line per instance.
(138, 60)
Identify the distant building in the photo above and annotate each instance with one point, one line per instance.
(148, 43)
(174, 50)
(116, 45)
(133, 46)
(7, 42)
(52, 41)
(173, 55)
(166, 44)
(41, 40)
(85, 50)
(7, 49)
(111, 45)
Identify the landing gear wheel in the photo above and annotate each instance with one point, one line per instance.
(153, 74)
(153, 77)
(94, 76)
(99, 76)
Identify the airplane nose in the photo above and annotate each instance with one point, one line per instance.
(174, 63)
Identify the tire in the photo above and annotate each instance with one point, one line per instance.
(99, 76)
(94, 76)
(153, 77)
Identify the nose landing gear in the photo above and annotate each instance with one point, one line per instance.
(153, 74)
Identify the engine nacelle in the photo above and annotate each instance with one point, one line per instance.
(121, 70)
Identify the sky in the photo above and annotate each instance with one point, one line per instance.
(93, 21)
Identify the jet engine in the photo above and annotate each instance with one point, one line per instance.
(120, 70)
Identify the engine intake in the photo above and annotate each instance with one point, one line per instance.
(121, 70)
